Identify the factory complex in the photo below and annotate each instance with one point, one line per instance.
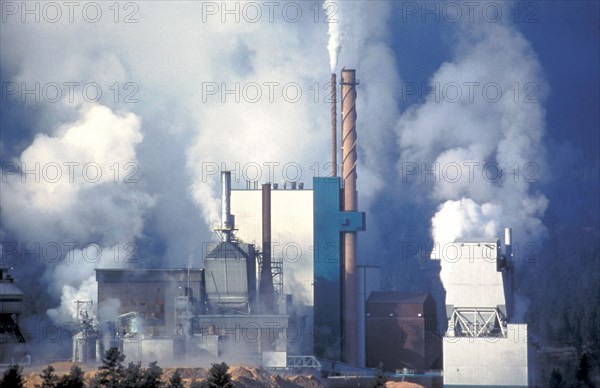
(283, 288)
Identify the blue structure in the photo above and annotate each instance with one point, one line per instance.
(329, 224)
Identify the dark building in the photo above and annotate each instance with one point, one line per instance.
(11, 300)
(175, 313)
(401, 331)
(151, 293)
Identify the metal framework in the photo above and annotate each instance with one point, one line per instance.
(277, 273)
(477, 322)
(83, 308)
(85, 342)
(303, 362)
(183, 315)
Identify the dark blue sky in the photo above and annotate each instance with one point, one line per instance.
(565, 36)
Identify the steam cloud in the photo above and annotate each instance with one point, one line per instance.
(187, 129)
(476, 130)
(334, 45)
(87, 215)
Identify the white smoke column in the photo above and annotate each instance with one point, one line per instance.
(98, 211)
(462, 218)
(67, 311)
(334, 45)
(81, 181)
(230, 130)
(184, 129)
(365, 41)
(74, 278)
(109, 308)
(467, 138)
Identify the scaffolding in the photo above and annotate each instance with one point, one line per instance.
(277, 273)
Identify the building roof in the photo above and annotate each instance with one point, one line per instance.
(229, 250)
(398, 297)
(478, 240)
(147, 274)
(9, 290)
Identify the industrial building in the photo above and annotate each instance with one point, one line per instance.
(402, 332)
(151, 293)
(315, 237)
(283, 277)
(11, 302)
(215, 311)
(306, 224)
(282, 286)
(484, 345)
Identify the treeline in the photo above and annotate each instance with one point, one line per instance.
(564, 289)
(113, 373)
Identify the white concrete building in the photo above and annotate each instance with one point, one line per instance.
(291, 234)
(482, 346)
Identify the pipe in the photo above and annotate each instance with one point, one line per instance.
(227, 219)
(266, 277)
(333, 126)
(349, 159)
(509, 275)
(508, 243)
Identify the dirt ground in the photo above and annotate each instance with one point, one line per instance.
(242, 375)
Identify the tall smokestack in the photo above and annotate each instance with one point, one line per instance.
(227, 219)
(333, 126)
(266, 277)
(349, 158)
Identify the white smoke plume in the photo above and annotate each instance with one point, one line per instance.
(73, 184)
(172, 132)
(80, 217)
(484, 151)
(74, 278)
(334, 45)
(190, 128)
(282, 132)
(177, 129)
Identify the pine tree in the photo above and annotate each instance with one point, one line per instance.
(73, 380)
(219, 376)
(151, 376)
(175, 381)
(49, 378)
(556, 379)
(132, 375)
(13, 377)
(111, 370)
(380, 374)
(583, 371)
